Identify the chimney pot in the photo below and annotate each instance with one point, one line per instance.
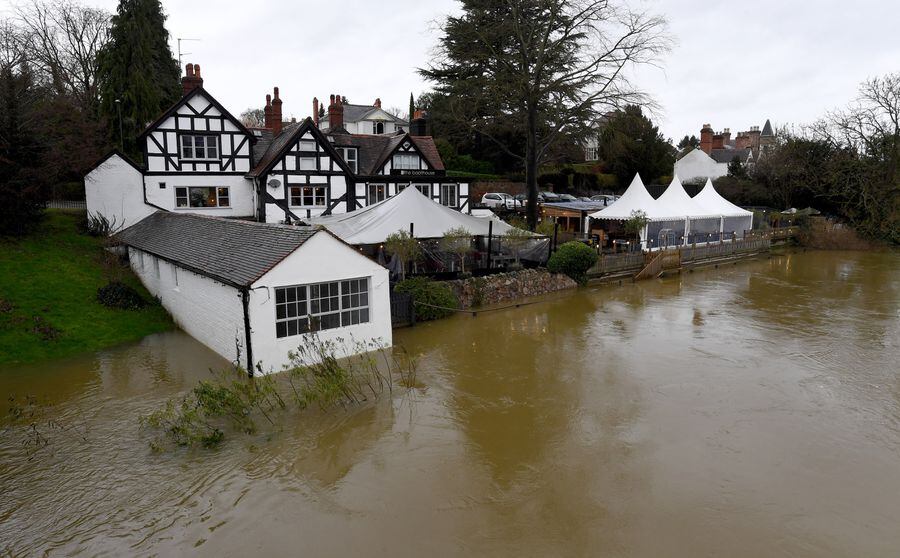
(191, 79)
(378, 102)
(315, 114)
(276, 113)
(197, 70)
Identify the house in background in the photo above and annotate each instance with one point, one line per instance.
(363, 119)
(198, 158)
(252, 291)
(718, 150)
(592, 142)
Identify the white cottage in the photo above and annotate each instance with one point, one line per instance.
(198, 158)
(252, 291)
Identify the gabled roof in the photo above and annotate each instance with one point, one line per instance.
(374, 151)
(184, 99)
(728, 155)
(767, 129)
(356, 113)
(234, 252)
(283, 142)
(114, 153)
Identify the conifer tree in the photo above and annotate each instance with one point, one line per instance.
(137, 67)
(412, 108)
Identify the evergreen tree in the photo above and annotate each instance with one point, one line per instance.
(412, 107)
(136, 66)
(630, 143)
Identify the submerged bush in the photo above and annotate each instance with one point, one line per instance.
(317, 375)
(573, 259)
(116, 294)
(432, 298)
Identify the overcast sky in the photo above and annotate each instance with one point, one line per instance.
(735, 63)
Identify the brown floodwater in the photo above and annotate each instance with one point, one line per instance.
(752, 410)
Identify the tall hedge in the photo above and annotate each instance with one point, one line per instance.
(573, 259)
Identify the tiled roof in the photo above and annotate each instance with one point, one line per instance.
(767, 129)
(728, 155)
(373, 151)
(228, 250)
(274, 147)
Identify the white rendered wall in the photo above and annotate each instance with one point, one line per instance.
(697, 164)
(207, 310)
(115, 190)
(322, 258)
(242, 202)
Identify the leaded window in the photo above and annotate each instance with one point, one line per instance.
(406, 161)
(449, 195)
(199, 146)
(320, 306)
(376, 193)
(308, 196)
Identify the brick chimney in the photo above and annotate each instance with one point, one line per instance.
(267, 113)
(191, 79)
(726, 136)
(335, 113)
(742, 141)
(315, 114)
(419, 124)
(706, 135)
(378, 102)
(276, 114)
(754, 134)
(718, 141)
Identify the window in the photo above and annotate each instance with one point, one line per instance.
(449, 195)
(306, 145)
(424, 188)
(377, 128)
(308, 196)
(349, 155)
(376, 193)
(199, 147)
(162, 185)
(201, 196)
(307, 163)
(320, 306)
(590, 154)
(406, 161)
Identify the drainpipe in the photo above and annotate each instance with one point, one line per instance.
(245, 302)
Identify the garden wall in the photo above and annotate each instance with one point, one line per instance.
(507, 287)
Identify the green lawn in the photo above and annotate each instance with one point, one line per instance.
(48, 288)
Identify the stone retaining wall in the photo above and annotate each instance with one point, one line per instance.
(507, 287)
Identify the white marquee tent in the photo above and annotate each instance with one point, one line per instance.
(676, 218)
(734, 219)
(429, 219)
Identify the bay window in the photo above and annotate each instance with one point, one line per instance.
(201, 196)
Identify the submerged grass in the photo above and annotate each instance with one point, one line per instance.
(48, 295)
(317, 376)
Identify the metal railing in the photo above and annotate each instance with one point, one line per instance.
(67, 204)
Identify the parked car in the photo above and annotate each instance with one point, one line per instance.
(605, 199)
(522, 199)
(567, 198)
(499, 199)
(585, 199)
(548, 197)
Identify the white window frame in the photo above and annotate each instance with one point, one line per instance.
(321, 306)
(184, 193)
(317, 191)
(455, 197)
(210, 147)
(352, 162)
(307, 163)
(406, 161)
(377, 128)
(369, 192)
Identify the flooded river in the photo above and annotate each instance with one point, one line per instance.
(752, 410)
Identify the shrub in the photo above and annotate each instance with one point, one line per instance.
(97, 224)
(116, 294)
(573, 259)
(431, 293)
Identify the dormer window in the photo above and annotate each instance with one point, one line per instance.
(377, 128)
(407, 161)
(199, 147)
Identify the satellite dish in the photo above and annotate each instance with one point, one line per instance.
(274, 183)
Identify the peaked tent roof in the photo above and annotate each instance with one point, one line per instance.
(635, 198)
(676, 203)
(373, 224)
(234, 252)
(713, 202)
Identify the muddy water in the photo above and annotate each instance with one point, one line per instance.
(747, 411)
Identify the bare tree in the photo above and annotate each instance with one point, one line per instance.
(253, 118)
(13, 45)
(544, 69)
(64, 39)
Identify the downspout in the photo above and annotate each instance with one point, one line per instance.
(245, 302)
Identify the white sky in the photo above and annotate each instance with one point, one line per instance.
(735, 64)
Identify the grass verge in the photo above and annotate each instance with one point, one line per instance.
(48, 296)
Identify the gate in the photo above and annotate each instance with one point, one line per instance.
(403, 311)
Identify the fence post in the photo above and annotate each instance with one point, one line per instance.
(490, 242)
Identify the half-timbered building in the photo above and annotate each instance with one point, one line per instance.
(198, 158)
